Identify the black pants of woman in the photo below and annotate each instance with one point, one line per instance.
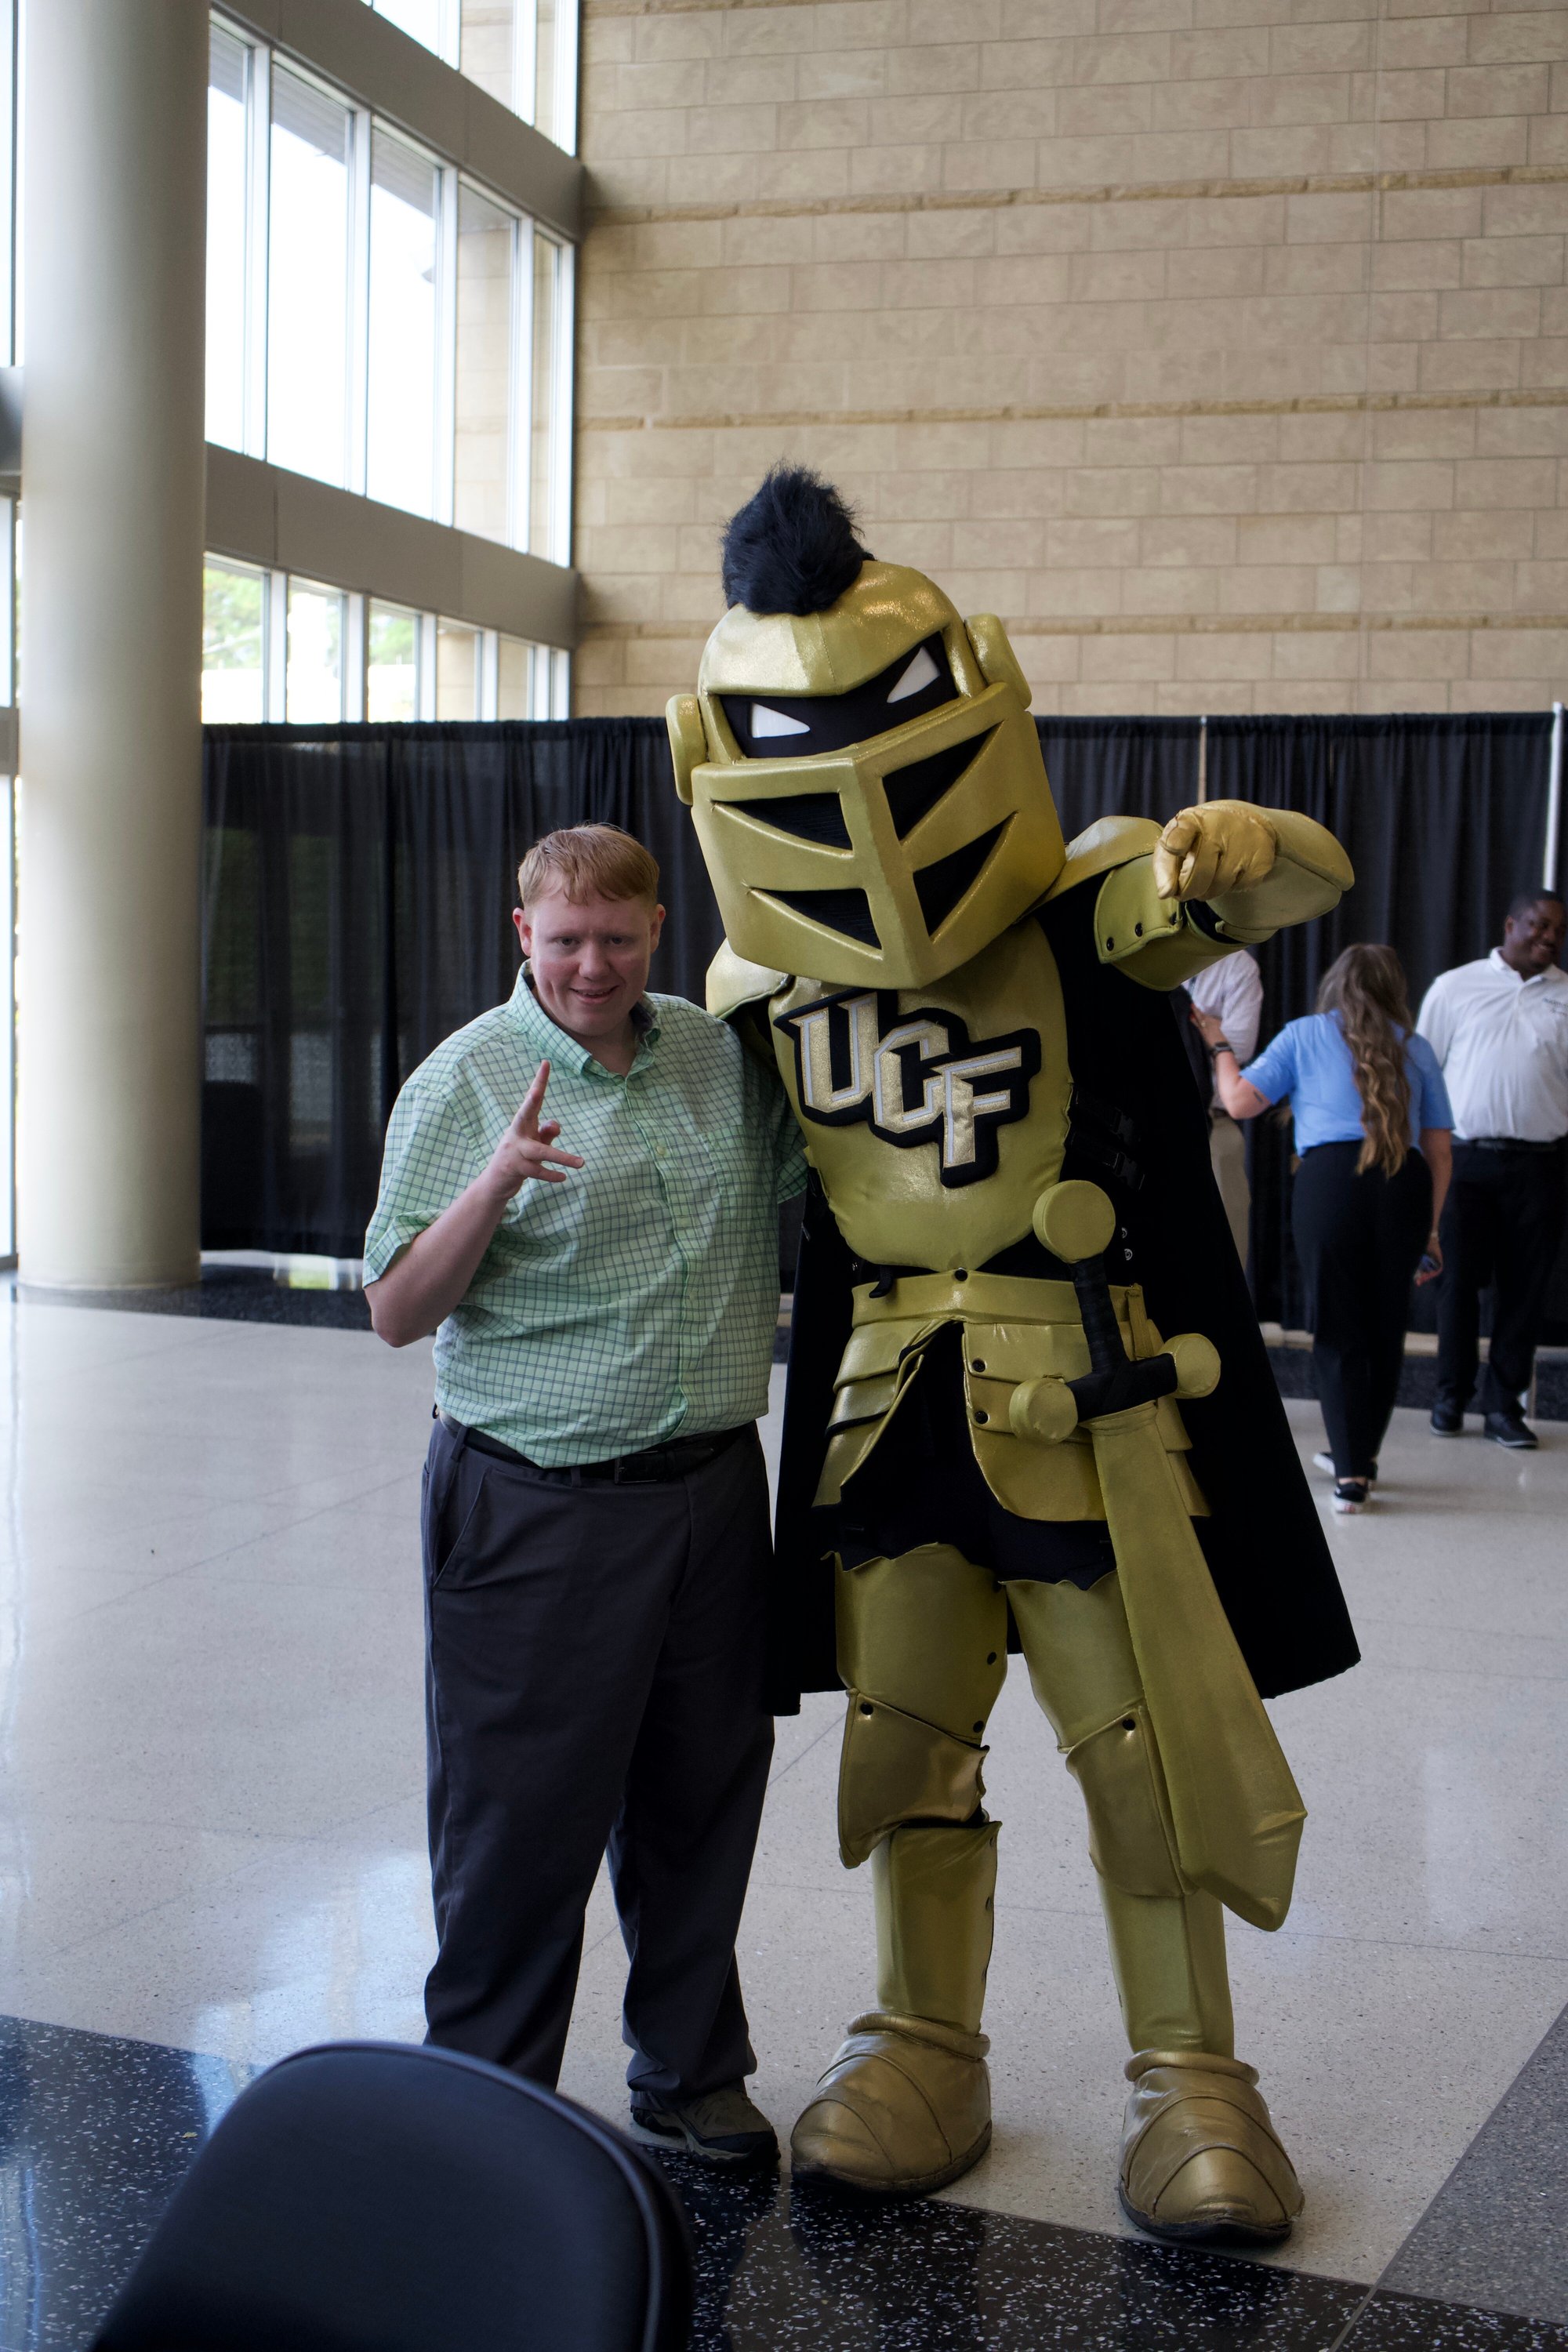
(1359, 1240)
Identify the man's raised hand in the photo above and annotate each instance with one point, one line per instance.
(525, 1149)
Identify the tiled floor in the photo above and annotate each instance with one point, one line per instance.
(211, 1840)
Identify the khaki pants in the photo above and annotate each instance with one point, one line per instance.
(1227, 1155)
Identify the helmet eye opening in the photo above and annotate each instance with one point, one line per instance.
(915, 789)
(801, 726)
(804, 817)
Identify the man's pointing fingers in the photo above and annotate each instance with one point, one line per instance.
(528, 1109)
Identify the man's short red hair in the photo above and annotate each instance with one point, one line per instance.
(588, 861)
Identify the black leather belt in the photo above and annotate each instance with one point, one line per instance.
(653, 1467)
(1503, 1143)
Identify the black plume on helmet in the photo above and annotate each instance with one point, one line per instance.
(792, 548)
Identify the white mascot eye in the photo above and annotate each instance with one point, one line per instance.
(920, 672)
(774, 722)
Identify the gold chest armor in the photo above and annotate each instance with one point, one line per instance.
(935, 1116)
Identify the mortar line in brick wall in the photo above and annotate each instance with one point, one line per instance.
(943, 200)
(1337, 403)
(1163, 625)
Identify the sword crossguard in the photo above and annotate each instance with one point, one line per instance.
(1077, 1223)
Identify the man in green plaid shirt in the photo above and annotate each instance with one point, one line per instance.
(602, 1280)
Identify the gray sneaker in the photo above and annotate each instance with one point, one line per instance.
(722, 2127)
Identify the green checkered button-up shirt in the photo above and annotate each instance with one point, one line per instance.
(638, 1300)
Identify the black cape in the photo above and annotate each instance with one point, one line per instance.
(1264, 1542)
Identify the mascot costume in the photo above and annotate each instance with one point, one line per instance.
(1029, 1406)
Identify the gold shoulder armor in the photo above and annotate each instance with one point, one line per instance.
(1155, 941)
(1110, 841)
(733, 982)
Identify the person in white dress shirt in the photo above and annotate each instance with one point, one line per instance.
(1232, 991)
(1499, 1028)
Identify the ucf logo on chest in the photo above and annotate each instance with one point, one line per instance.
(914, 1077)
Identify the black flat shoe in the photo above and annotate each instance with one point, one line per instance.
(1509, 1429)
(1447, 1421)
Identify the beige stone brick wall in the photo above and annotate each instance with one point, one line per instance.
(1221, 346)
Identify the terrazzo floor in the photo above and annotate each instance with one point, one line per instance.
(212, 1842)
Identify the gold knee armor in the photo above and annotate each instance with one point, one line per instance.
(896, 1769)
(922, 1641)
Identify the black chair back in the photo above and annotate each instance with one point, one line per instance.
(371, 2197)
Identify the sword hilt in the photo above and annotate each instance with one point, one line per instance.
(1077, 1223)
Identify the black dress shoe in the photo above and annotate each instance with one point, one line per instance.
(1509, 1429)
(1447, 1421)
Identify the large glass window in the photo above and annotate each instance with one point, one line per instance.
(432, 22)
(554, 108)
(392, 663)
(457, 671)
(532, 681)
(13, 183)
(400, 447)
(374, 323)
(495, 51)
(277, 647)
(309, 253)
(514, 678)
(524, 52)
(315, 674)
(485, 492)
(234, 643)
(228, 185)
(549, 502)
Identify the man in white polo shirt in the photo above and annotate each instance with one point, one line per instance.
(1232, 990)
(1499, 1028)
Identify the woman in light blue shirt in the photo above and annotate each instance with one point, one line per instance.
(1374, 1132)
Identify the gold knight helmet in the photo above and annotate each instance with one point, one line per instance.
(860, 764)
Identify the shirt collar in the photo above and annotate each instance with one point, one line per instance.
(565, 1053)
(1552, 971)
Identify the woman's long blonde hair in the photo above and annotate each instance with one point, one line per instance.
(1365, 986)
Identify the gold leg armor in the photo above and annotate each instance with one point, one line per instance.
(1167, 1944)
(923, 1643)
(1200, 2161)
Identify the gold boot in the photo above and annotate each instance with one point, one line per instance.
(1200, 2161)
(906, 2105)
(904, 2108)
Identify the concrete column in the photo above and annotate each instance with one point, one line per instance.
(110, 676)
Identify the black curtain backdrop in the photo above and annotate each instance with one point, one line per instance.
(359, 887)
(359, 884)
(1119, 767)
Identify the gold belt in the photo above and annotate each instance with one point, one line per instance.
(971, 1299)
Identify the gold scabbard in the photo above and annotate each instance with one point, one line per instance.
(1234, 1806)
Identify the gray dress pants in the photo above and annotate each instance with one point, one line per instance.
(594, 1681)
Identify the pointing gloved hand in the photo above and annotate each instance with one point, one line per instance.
(1214, 848)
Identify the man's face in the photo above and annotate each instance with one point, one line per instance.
(589, 959)
(1533, 942)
